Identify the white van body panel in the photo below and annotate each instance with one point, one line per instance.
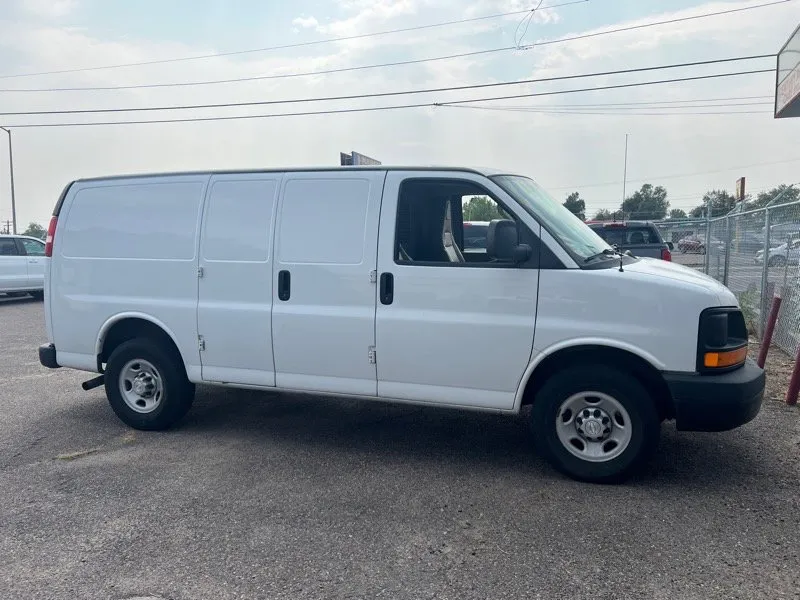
(453, 334)
(126, 245)
(468, 336)
(642, 309)
(326, 240)
(234, 312)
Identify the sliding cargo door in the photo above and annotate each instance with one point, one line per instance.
(323, 317)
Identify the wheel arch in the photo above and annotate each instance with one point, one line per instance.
(642, 365)
(129, 325)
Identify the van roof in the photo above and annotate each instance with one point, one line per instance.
(477, 170)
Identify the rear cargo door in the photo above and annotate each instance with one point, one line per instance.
(235, 279)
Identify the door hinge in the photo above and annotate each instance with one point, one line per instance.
(200, 272)
(373, 276)
(373, 355)
(201, 343)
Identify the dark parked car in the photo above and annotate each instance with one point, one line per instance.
(641, 238)
(475, 233)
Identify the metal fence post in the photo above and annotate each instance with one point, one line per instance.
(706, 261)
(764, 273)
(727, 251)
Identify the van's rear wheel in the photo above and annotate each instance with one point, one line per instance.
(595, 423)
(146, 385)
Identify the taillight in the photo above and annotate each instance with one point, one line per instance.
(666, 254)
(51, 236)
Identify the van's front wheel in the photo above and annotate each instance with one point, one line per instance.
(595, 423)
(146, 385)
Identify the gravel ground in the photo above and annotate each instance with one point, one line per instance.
(271, 496)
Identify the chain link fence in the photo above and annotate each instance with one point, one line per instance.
(686, 237)
(756, 254)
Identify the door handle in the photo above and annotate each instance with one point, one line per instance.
(284, 285)
(387, 288)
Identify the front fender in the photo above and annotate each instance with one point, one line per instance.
(540, 354)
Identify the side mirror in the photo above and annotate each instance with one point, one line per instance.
(671, 246)
(522, 253)
(502, 242)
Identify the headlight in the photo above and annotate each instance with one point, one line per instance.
(721, 340)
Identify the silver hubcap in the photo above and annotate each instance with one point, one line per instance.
(141, 386)
(593, 426)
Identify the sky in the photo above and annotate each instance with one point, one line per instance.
(668, 143)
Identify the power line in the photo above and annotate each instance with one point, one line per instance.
(607, 87)
(382, 108)
(678, 175)
(295, 45)
(527, 21)
(624, 107)
(386, 94)
(379, 65)
(651, 102)
(619, 113)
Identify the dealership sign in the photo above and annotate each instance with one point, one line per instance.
(355, 159)
(787, 79)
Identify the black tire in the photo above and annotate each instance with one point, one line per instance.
(627, 391)
(38, 295)
(178, 391)
(777, 261)
(701, 250)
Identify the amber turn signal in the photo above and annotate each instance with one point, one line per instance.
(725, 359)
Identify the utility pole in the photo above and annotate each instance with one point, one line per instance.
(11, 174)
(7, 227)
(625, 169)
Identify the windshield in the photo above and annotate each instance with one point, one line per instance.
(577, 237)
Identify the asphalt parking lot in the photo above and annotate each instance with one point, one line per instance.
(261, 495)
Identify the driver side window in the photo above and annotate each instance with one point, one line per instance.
(448, 222)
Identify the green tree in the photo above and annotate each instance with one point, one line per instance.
(575, 204)
(783, 193)
(720, 202)
(647, 204)
(482, 208)
(603, 215)
(35, 230)
(677, 213)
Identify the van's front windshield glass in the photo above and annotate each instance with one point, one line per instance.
(573, 233)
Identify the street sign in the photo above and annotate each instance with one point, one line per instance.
(740, 189)
(356, 159)
(787, 78)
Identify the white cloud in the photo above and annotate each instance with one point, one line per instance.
(50, 8)
(559, 150)
(305, 22)
(369, 14)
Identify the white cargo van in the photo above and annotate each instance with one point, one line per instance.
(355, 282)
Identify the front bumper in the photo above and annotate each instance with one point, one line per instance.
(716, 402)
(47, 356)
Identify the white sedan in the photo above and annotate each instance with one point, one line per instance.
(21, 266)
(781, 255)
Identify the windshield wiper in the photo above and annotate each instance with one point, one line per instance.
(610, 252)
